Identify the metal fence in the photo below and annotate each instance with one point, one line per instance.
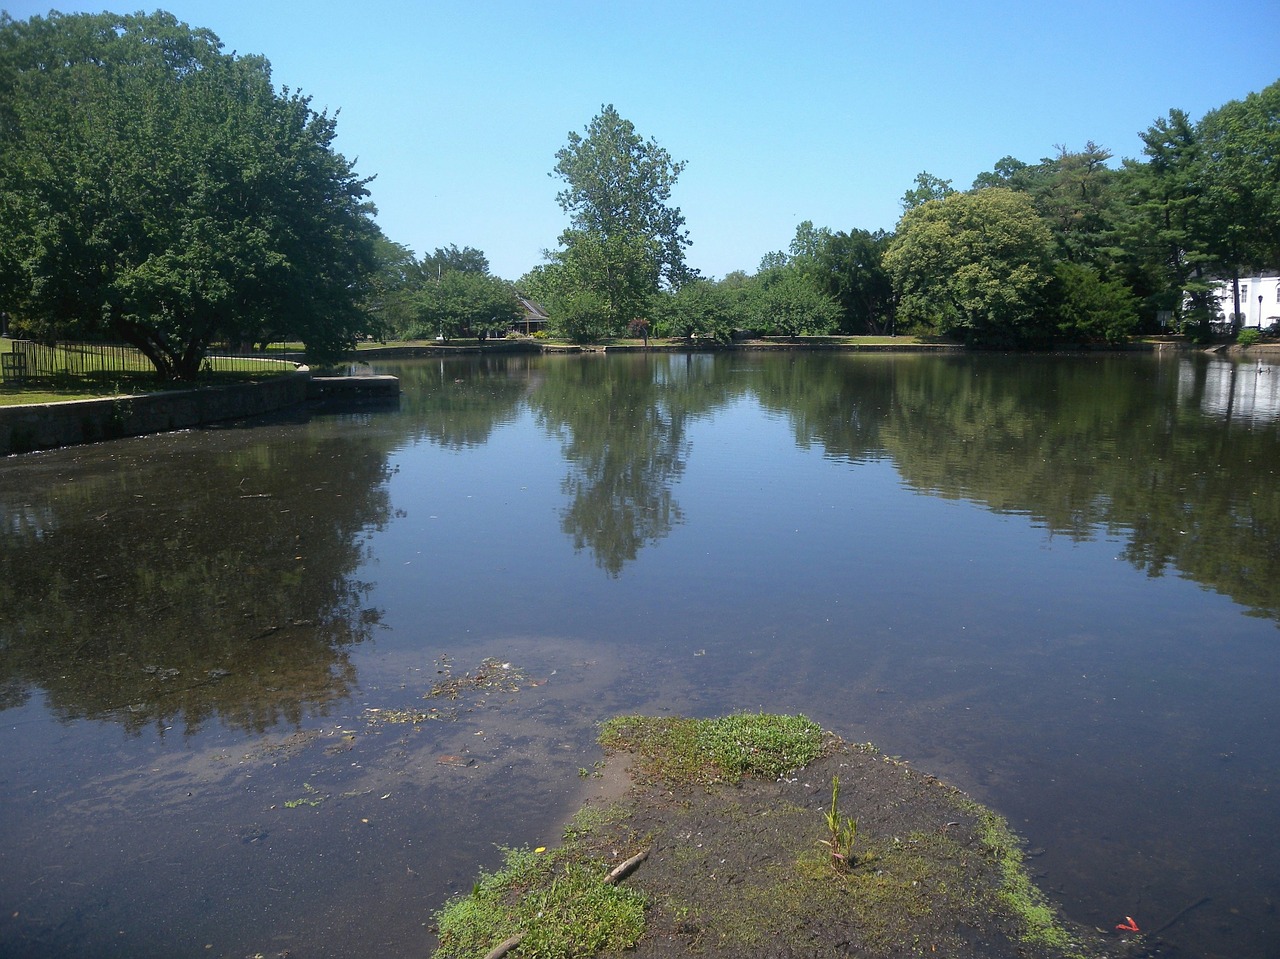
(30, 360)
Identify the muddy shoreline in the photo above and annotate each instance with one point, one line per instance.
(739, 868)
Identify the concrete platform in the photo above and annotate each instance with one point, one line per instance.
(329, 387)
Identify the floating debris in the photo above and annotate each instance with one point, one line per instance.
(251, 833)
(312, 798)
(415, 716)
(493, 675)
(459, 761)
(344, 744)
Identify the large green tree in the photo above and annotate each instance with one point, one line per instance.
(1239, 167)
(625, 240)
(783, 301)
(1090, 307)
(156, 190)
(1206, 203)
(851, 270)
(928, 187)
(1075, 192)
(447, 293)
(1075, 196)
(844, 269)
(974, 266)
(699, 309)
(1161, 231)
(388, 301)
(463, 302)
(444, 259)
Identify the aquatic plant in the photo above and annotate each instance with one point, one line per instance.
(841, 832)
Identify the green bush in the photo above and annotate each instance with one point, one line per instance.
(1090, 307)
(1248, 336)
(582, 316)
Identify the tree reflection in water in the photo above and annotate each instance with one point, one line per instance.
(215, 583)
(622, 425)
(1073, 445)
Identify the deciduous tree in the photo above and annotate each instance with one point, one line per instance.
(463, 302)
(444, 259)
(389, 301)
(973, 265)
(784, 302)
(851, 269)
(157, 190)
(928, 187)
(698, 309)
(625, 240)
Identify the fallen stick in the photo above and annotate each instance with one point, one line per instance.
(1179, 914)
(502, 948)
(621, 870)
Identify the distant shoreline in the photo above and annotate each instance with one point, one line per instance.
(849, 344)
(33, 427)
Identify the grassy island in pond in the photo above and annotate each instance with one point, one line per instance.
(720, 844)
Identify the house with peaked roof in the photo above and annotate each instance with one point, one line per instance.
(534, 317)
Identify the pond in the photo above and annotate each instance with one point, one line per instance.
(284, 686)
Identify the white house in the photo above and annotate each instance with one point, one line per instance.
(1259, 300)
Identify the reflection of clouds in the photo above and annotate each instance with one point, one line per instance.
(1244, 391)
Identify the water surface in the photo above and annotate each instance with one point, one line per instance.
(1054, 581)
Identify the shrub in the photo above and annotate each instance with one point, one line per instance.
(1090, 307)
(582, 316)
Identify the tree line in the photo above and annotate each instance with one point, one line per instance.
(1068, 248)
(158, 191)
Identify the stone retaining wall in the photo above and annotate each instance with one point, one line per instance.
(49, 425)
(452, 348)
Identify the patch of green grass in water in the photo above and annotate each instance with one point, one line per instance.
(686, 751)
(557, 899)
(1017, 893)
(592, 819)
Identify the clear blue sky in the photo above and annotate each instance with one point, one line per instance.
(824, 111)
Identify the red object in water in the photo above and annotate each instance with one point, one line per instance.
(1129, 925)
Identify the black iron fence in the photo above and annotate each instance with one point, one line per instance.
(27, 359)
